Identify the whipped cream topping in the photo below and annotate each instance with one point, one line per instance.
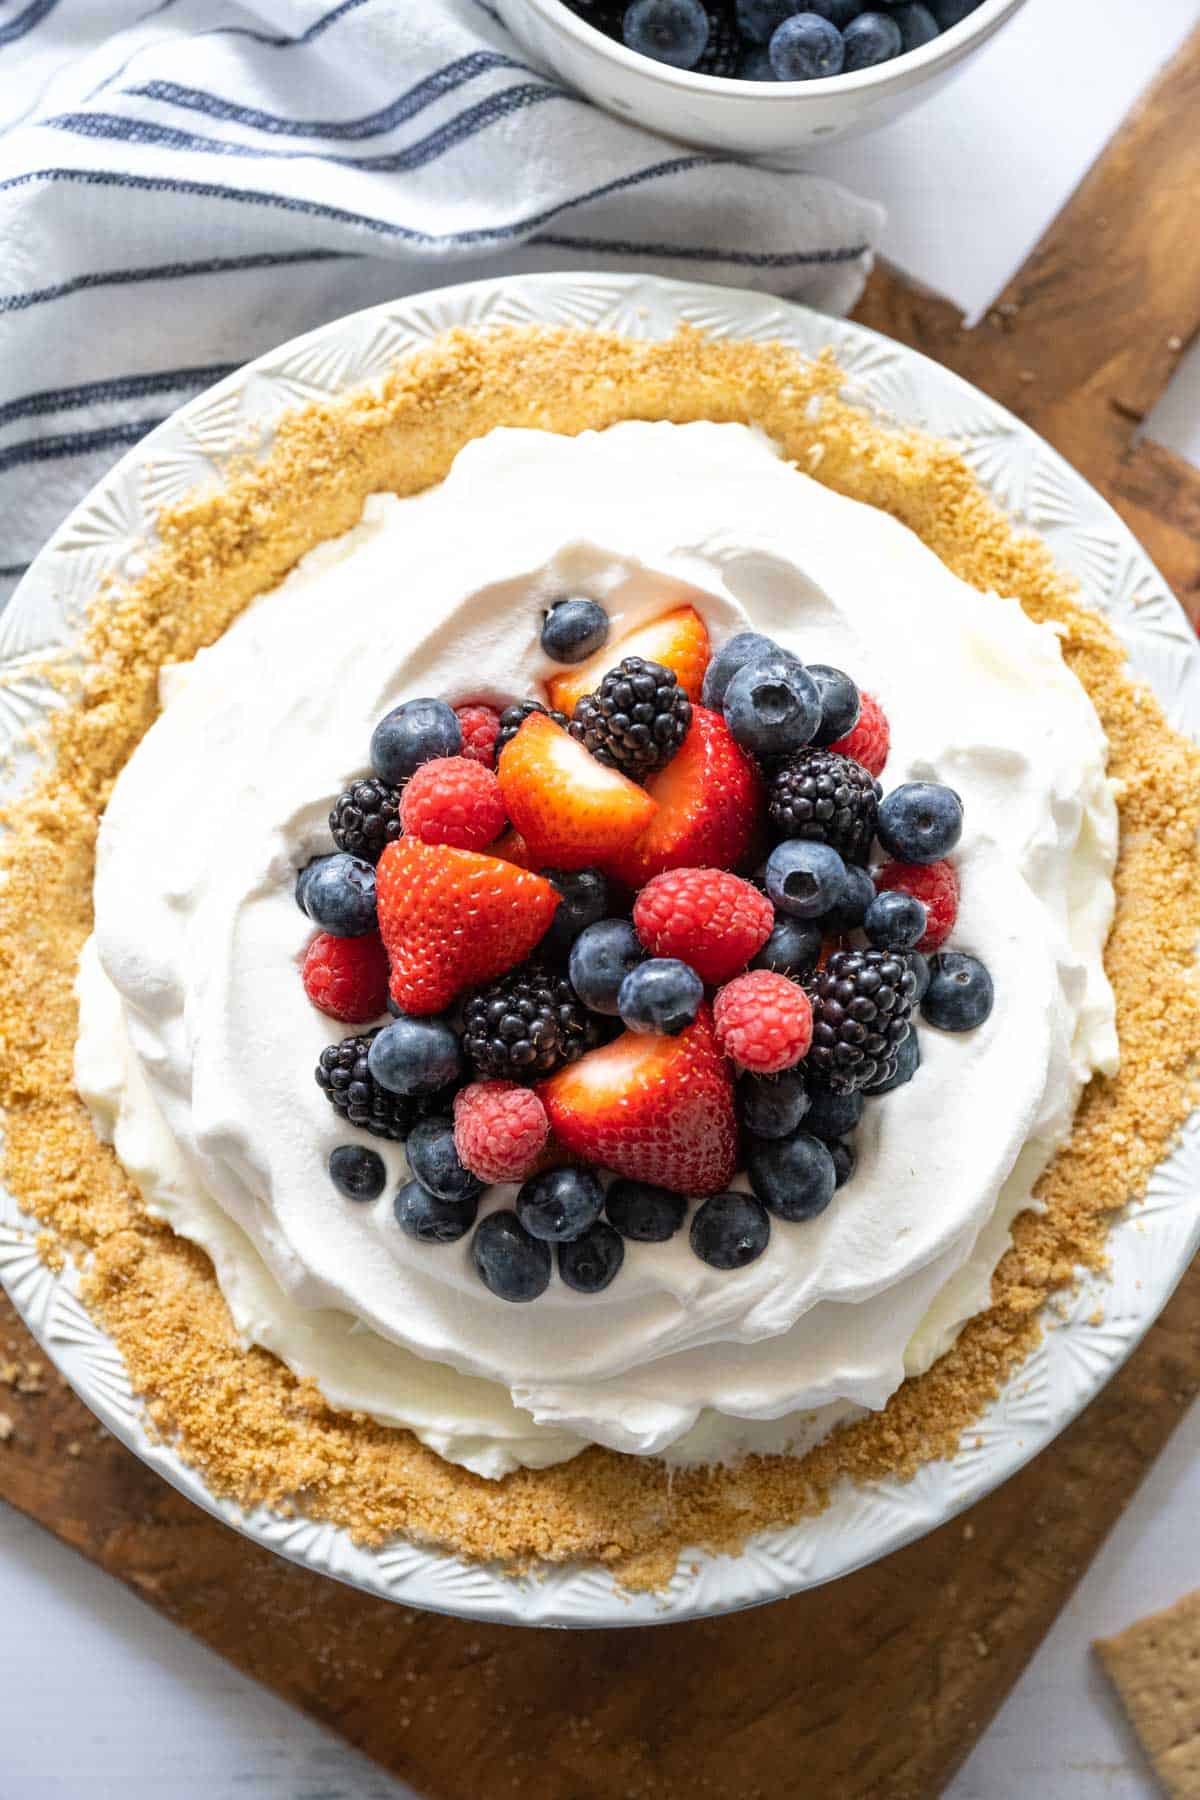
(197, 1042)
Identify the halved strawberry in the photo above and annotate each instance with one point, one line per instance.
(511, 847)
(678, 640)
(450, 919)
(657, 1109)
(710, 807)
(571, 810)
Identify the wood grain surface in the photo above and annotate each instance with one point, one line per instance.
(877, 1687)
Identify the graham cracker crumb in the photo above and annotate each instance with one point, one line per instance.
(259, 1435)
(1155, 1668)
(6, 1427)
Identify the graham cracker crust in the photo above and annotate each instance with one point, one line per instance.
(260, 1435)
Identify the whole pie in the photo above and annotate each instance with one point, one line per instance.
(601, 933)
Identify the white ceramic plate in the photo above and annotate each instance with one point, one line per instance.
(110, 532)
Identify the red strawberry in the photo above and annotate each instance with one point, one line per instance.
(935, 885)
(656, 1109)
(453, 800)
(870, 740)
(678, 640)
(710, 807)
(705, 917)
(453, 918)
(347, 977)
(480, 725)
(571, 810)
(512, 848)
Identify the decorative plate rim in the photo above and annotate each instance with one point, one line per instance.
(1090, 1331)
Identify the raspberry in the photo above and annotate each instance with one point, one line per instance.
(871, 738)
(500, 1130)
(935, 885)
(763, 1021)
(705, 917)
(453, 800)
(480, 725)
(347, 977)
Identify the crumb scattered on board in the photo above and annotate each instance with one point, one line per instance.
(1155, 1668)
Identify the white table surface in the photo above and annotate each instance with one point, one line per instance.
(99, 1697)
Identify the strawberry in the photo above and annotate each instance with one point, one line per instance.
(710, 807)
(657, 1109)
(511, 847)
(451, 919)
(678, 640)
(572, 811)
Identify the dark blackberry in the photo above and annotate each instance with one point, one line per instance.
(528, 1023)
(605, 15)
(723, 51)
(636, 719)
(825, 798)
(514, 716)
(351, 1089)
(366, 818)
(861, 1001)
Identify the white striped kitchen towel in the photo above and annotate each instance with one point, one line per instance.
(185, 183)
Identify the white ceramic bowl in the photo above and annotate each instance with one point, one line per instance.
(107, 538)
(752, 118)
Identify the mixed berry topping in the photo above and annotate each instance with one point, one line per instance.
(640, 942)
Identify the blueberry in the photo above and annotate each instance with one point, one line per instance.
(772, 1106)
(413, 734)
(960, 993)
(433, 1160)
(806, 48)
(415, 1056)
(794, 1177)
(851, 909)
(772, 705)
(920, 968)
(359, 1174)
(755, 65)
(841, 703)
(338, 894)
(432, 1221)
(590, 1262)
(793, 948)
(758, 20)
(805, 880)
(908, 1061)
(584, 900)
(870, 39)
(952, 12)
(895, 921)
(302, 876)
(734, 654)
(671, 31)
(920, 822)
(601, 958)
(662, 995)
(560, 1204)
(831, 1114)
(729, 1231)
(917, 25)
(507, 1260)
(573, 630)
(844, 1161)
(648, 1215)
(840, 12)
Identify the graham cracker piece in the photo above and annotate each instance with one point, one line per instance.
(1155, 1667)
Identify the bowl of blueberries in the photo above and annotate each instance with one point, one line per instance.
(757, 77)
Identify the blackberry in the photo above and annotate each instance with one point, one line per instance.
(366, 818)
(636, 719)
(861, 1001)
(514, 716)
(605, 15)
(723, 51)
(529, 1022)
(824, 798)
(351, 1089)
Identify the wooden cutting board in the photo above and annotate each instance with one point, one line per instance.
(875, 1688)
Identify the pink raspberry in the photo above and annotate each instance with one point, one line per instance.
(935, 885)
(347, 977)
(763, 1021)
(500, 1129)
(454, 801)
(870, 740)
(707, 918)
(480, 725)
